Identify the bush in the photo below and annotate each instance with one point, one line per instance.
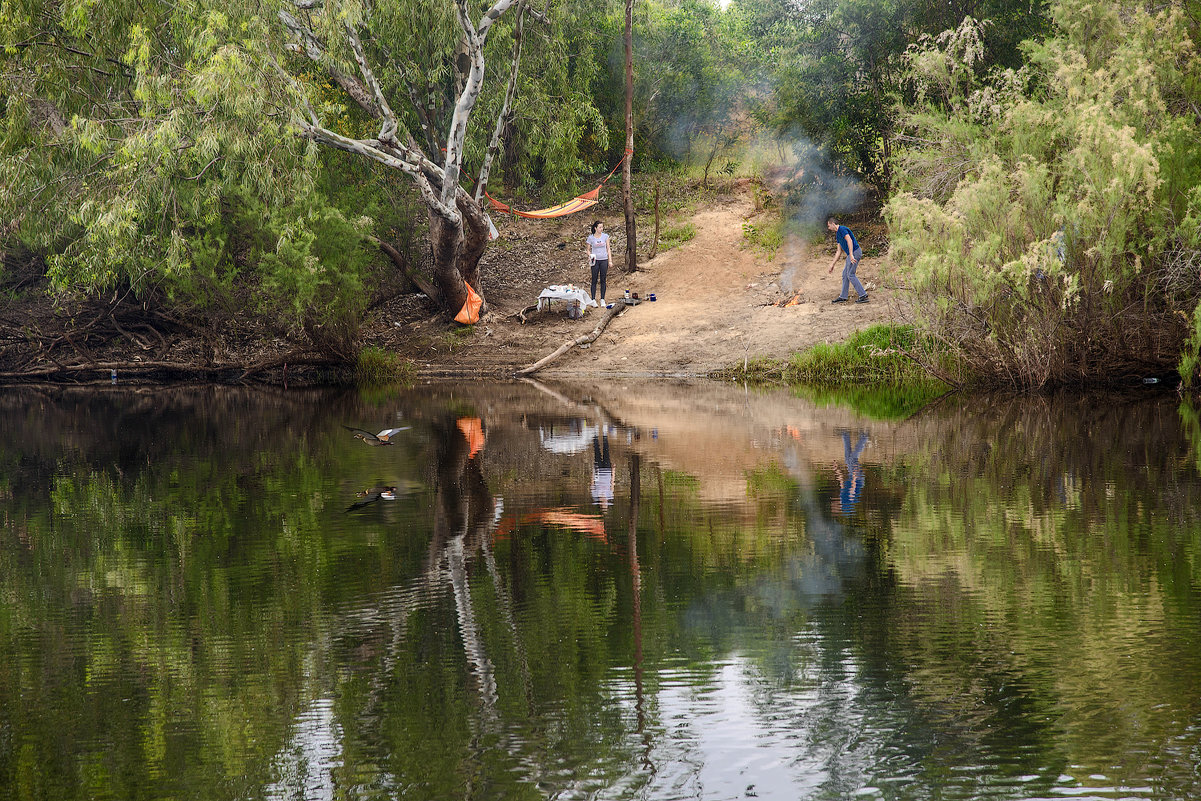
(766, 237)
(1036, 212)
(676, 235)
(377, 367)
(875, 355)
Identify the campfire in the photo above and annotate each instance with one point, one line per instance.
(795, 300)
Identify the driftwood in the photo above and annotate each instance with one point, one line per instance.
(520, 315)
(617, 309)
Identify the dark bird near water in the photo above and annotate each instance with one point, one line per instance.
(371, 495)
(382, 438)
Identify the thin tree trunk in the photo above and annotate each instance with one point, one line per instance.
(655, 244)
(627, 169)
(502, 118)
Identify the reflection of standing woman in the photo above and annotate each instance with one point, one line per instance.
(597, 247)
(602, 472)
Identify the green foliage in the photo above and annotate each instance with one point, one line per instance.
(376, 367)
(874, 355)
(1035, 215)
(766, 236)
(694, 65)
(147, 146)
(840, 67)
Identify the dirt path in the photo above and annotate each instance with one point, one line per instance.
(716, 303)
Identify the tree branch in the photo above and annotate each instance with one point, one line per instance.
(388, 130)
(502, 118)
(311, 46)
(374, 150)
(617, 309)
(400, 261)
(475, 38)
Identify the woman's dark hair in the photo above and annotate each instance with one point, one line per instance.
(598, 222)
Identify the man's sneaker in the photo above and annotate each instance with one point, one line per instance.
(861, 299)
(839, 300)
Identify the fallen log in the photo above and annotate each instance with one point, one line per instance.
(617, 309)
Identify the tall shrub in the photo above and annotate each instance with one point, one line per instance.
(1042, 214)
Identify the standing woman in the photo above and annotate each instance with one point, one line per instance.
(597, 248)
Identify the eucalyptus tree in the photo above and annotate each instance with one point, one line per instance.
(430, 55)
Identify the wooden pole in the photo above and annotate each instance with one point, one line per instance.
(627, 168)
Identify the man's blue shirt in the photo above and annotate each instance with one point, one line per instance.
(843, 233)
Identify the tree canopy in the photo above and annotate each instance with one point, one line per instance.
(171, 152)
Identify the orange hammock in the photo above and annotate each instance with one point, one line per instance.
(578, 203)
(584, 201)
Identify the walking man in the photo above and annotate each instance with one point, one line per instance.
(850, 246)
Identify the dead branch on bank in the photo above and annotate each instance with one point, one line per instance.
(617, 309)
(415, 277)
(520, 315)
(141, 368)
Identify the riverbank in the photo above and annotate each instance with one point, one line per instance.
(720, 301)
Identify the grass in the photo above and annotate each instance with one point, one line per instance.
(377, 367)
(766, 237)
(452, 339)
(874, 355)
(676, 235)
(869, 372)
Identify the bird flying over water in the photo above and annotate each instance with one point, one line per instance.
(382, 438)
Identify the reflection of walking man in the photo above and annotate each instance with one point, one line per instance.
(851, 484)
(602, 472)
(847, 244)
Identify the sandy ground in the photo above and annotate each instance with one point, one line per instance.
(716, 303)
(715, 307)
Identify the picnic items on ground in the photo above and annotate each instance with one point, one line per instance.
(575, 297)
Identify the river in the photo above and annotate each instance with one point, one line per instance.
(615, 590)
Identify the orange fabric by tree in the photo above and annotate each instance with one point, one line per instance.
(470, 313)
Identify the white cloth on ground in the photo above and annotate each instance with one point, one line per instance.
(569, 294)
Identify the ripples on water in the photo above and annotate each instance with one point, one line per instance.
(988, 601)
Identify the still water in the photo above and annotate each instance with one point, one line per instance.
(608, 591)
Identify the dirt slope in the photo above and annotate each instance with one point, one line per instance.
(715, 303)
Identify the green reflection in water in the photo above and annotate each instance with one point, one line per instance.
(877, 401)
(188, 611)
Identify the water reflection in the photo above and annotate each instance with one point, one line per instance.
(602, 591)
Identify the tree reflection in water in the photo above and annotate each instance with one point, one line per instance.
(188, 610)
